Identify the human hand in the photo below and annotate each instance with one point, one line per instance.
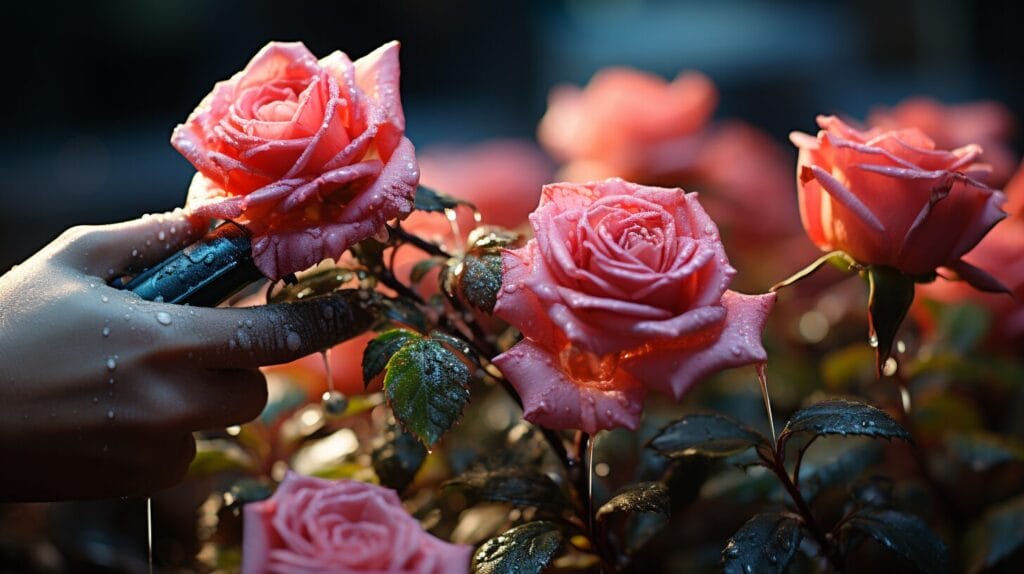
(100, 390)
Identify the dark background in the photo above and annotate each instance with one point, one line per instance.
(91, 91)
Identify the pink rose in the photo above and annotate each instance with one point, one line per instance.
(629, 124)
(309, 155)
(623, 290)
(890, 198)
(988, 124)
(316, 526)
(501, 177)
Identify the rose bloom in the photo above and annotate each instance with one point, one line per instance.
(310, 156)
(891, 198)
(630, 124)
(316, 526)
(1002, 251)
(988, 124)
(624, 289)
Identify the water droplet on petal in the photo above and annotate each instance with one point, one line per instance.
(163, 318)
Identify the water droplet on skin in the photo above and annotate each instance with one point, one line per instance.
(105, 299)
(135, 252)
(163, 318)
(293, 341)
(95, 400)
(110, 414)
(248, 323)
(106, 331)
(111, 363)
(158, 299)
(161, 236)
(110, 380)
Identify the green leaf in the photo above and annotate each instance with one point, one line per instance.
(903, 534)
(890, 294)
(397, 457)
(997, 535)
(642, 497)
(764, 545)
(380, 350)
(843, 417)
(525, 549)
(429, 200)
(710, 435)
(427, 387)
(837, 464)
(420, 270)
(518, 486)
(480, 280)
(981, 451)
(401, 312)
(837, 258)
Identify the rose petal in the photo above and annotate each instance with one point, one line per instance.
(674, 370)
(377, 75)
(553, 400)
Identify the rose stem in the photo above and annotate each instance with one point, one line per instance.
(776, 463)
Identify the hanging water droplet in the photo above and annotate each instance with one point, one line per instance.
(163, 318)
(890, 367)
(873, 340)
(335, 403)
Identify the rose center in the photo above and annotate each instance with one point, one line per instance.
(587, 368)
(278, 111)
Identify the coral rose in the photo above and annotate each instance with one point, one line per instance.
(986, 123)
(623, 290)
(630, 124)
(316, 526)
(309, 155)
(891, 198)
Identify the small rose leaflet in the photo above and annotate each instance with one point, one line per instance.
(623, 290)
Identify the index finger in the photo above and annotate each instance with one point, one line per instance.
(278, 333)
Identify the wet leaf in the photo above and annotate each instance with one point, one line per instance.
(764, 545)
(843, 417)
(480, 280)
(982, 451)
(427, 387)
(518, 486)
(890, 294)
(380, 350)
(420, 270)
(400, 312)
(645, 497)
(429, 200)
(710, 435)
(839, 466)
(397, 457)
(997, 535)
(525, 549)
(902, 534)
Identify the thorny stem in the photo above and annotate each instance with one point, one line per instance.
(418, 242)
(776, 462)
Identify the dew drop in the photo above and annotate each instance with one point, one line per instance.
(335, 403)
(163, 318)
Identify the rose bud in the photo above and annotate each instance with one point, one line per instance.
(624, 289)
(891, 198)
(316, 526)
